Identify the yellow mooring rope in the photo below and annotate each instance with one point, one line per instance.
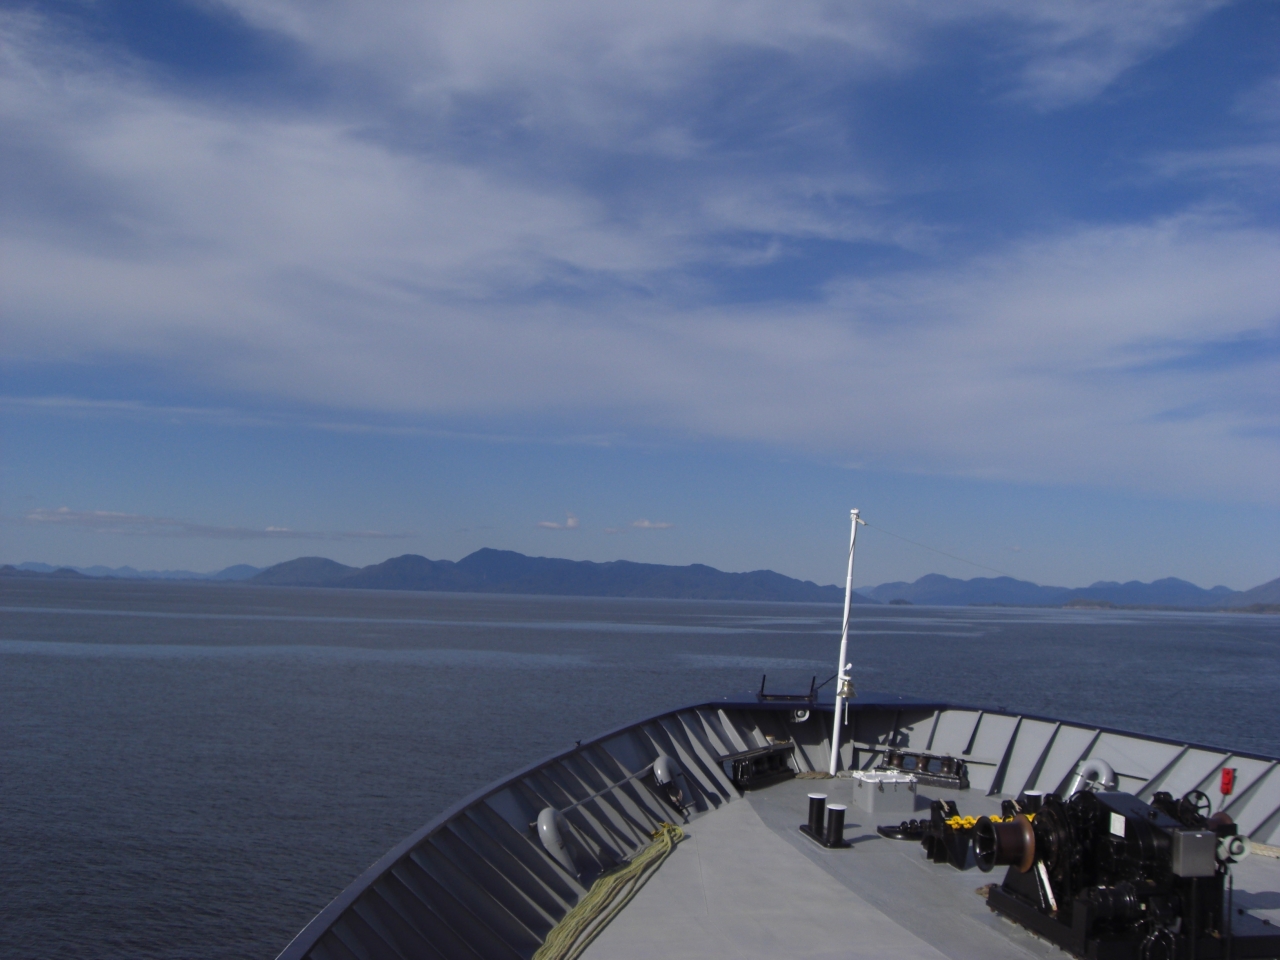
(607, 897)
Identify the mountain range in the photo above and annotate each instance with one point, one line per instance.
(935, 589)
(504, 571)
(241, 571)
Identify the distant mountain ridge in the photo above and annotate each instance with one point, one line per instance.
(241, 571)
(505, 571)
(53, 573)
(935, 589)
(1265, 593)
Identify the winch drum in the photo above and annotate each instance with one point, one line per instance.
(1008, 843)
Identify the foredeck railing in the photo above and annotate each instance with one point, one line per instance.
(476, 884)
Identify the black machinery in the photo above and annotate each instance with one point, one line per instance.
(1109, 877)
(761, 765)
(928, 768)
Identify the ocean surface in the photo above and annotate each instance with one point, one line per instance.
(192, 771)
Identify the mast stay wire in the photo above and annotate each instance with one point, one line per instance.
(922, 546)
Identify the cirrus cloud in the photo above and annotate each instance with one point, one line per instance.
(553, 216)
(134, 524)
(570, 523)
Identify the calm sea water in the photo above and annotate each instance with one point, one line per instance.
(192, 771)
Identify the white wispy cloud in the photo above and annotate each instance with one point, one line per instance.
(318, 257)
(1255, 162)
(570, 523)
(652, 525)
(1073, 51)
(1249, 158)
(93, 408)
(576, 57)
(134, 524)
(1261, 103)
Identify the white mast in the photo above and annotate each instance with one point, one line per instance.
(845, 688)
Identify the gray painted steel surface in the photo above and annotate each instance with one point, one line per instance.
(476, 883)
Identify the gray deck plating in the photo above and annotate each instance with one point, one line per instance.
(476, 884)
(735, 889)
(746, 884)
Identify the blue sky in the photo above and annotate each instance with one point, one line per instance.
(295, 277)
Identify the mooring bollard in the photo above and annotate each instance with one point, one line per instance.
(817, 812)
(835, 825)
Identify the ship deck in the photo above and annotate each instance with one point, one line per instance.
(477, 883)
(745, 884)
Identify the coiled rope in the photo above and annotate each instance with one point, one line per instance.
(606, 898)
